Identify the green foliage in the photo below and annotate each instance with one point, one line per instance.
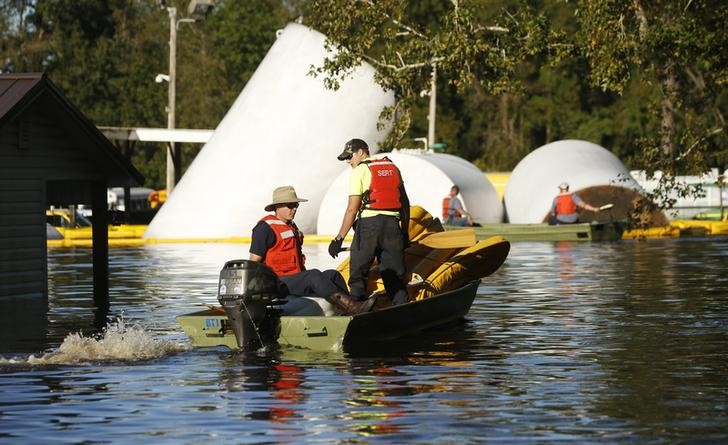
(674, 48)
(643, 79)
(403, 43)
(105, 54)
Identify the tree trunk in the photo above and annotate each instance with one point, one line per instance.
(667, 125)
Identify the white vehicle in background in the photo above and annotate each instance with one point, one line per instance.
(111, 200)
(140, 209)
(139, 199)
(713, 201)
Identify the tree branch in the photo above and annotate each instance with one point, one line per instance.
(408, 28)
(404, 66)
(701, 139)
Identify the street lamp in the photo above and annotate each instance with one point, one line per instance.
(197, 8)
(433, 106)
(200, 8)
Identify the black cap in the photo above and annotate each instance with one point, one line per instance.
(352, 147)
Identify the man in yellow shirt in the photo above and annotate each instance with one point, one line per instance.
(379, 204)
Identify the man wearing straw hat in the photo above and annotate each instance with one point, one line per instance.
(277, 242)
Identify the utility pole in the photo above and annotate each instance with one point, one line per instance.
(171, 100)
(199, 9)
(433, 105)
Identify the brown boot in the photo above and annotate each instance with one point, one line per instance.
(346, 305)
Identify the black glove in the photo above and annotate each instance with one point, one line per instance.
(335, 246)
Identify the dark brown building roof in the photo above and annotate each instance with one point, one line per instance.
(13, 89)
(19, 90)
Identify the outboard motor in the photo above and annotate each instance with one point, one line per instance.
(248, 291)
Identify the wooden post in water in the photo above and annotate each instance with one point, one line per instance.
(100, 239)
(721, 186)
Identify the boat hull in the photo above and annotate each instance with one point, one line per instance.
(603, 231)
(211, 327)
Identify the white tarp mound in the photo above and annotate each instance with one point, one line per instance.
(535, 180)
(428, 178)
(285, 128)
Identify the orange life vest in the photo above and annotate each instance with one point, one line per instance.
(383, 193)
(565, 204)
(446, 209)
(284, 257)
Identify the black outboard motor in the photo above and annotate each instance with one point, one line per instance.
(248, 291)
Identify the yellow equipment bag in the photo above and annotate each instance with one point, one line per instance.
(420, 260)
(472, 263)
(421, 222)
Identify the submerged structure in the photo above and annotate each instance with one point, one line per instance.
(592, 171)
(285, 128)
(428, 178)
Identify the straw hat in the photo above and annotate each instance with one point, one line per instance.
(283, 195)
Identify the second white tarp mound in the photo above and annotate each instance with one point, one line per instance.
(428, 178)
(592, 171)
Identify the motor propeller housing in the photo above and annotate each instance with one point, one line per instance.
(249, 292)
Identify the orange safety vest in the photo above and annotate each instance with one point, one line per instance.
(285, 257)
(446, 208)
(383, 193)
(565, 204)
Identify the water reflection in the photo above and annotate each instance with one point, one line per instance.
(602, 342)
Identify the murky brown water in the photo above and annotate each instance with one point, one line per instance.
(604, 342)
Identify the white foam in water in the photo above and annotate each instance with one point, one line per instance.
(119, 342)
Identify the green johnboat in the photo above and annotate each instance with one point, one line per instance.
(595, 231)
(444, 280)
(211, 327)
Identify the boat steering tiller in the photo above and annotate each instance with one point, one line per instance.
(248, 291)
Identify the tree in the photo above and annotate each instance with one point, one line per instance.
(105, 54)
(641, 79)
(678, 49)
(404, 50)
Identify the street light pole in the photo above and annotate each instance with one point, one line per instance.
(197, 8)
(433, 105)
(172, 99)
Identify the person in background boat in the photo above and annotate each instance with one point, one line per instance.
(277, 242)
(564, 208)
(379, 205)
(453, 213)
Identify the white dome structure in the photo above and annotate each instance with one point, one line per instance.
(592, 171)
(428, 178)
(284, 128)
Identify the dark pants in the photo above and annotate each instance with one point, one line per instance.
(313, 283)
(377, 237)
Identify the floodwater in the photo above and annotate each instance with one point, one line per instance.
(622, 342)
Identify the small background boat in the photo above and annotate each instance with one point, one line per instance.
(594, 231)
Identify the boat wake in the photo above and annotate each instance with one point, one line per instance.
(119, 342)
